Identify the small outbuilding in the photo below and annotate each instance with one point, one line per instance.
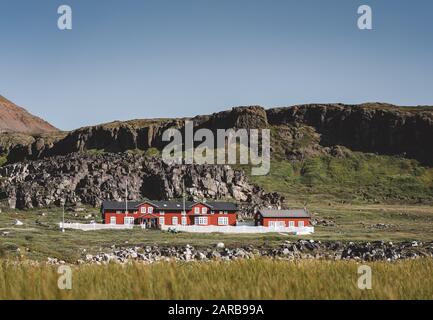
(283, 218)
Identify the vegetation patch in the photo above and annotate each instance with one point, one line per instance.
(357, 178)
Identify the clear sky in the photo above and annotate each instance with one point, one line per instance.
(139, 59)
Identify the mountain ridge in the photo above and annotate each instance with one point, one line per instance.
(14, 118)
(296, 131)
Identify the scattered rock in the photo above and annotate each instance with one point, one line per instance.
(301, 249)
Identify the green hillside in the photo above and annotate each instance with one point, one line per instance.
(357, 177)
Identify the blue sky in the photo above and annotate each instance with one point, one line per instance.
(140, 59)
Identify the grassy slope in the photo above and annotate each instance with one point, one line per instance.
(248, 279)
(357, 178)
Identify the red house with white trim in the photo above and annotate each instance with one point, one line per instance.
(283, 218)
(153, 214)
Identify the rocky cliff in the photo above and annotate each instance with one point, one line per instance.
(90, 179)
(378, 128)
(296, 130)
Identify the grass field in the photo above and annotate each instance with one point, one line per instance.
(247, 279)
(40, 237)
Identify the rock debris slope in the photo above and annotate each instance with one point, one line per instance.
(90, 179)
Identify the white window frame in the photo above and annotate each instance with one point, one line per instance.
(212, 212)
(277, 224)
(150, 210)
(221, 212)
(161, 221)
(143, 209)
(175, 221)
(111, 220)
(301, 224)
(128, 220)
(161, 213)
(204, 210)
(196, 210)
(291, 223)
(223, 221)
(184, 222)
(201, 221)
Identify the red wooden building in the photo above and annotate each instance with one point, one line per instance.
(152, 214)
(283, 218)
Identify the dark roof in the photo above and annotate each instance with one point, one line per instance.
(168, 205)
(219, 205)
(288, 213)
(117, 205)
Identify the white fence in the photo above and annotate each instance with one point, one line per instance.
(194, 228)
(240, 229)
(95, 226)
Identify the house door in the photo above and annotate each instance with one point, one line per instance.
(150, 223)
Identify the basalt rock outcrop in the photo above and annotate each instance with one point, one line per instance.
(90, 179)
(299, 130)
(378, 128)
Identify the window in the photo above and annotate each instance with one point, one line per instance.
(277, 224)
(212, 212)
(291, 223)
(184, 221)
(221, 212)
(113, 220)
(226, 212)
(204, 210)
(119, 211)
(150, 210)
(174, 221)
(161, 213)
(223, 221)
(201, 221)
(301, 224)
(128, 220)
(161, 221)
(143, 209)
(197, 210)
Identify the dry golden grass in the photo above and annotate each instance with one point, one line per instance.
(247, 279)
